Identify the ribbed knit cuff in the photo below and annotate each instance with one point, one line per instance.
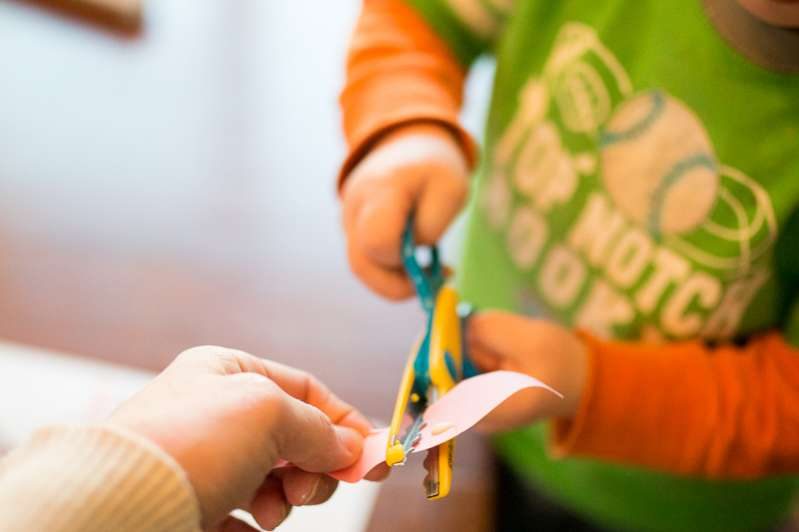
(97, 478)
(389, 123)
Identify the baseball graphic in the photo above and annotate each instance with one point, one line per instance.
(652, 156)
(742, 226)
(658, 165)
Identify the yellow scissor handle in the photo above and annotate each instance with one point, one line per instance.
(439, 480)
(445, 338)
(395, 454)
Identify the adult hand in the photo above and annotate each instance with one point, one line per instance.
(227, 417)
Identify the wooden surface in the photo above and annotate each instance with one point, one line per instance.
(174, 188)
(122, 17)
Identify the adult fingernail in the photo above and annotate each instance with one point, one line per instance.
(309, 495)
(281, 516)
(351, 439)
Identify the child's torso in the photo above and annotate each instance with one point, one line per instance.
(639, 169)
(636, 178)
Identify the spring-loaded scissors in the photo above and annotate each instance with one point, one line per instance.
(436, 363)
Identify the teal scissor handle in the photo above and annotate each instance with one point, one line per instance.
(465, 313)
(427, 280)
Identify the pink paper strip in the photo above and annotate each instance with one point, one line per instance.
(463, 407)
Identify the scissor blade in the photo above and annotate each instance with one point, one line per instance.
(413, 434)
(431, 480)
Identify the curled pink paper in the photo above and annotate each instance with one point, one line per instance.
(465, 405)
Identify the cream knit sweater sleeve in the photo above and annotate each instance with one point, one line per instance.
(93, 479)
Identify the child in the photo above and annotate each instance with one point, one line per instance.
(640, 184)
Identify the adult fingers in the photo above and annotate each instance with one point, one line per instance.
(380, 472)
(305, 436)
(233, 524)
(269, 507)
(302, 488)
(296, 383)
(305, 387)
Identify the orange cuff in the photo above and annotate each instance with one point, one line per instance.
(371, 117)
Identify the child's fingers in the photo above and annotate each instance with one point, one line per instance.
(484, 359)
(440, 202)
(520, 409)
(502, 340)
(481, 356)
(497, 332)
(388, 282)
(380, 223)
(351, 201)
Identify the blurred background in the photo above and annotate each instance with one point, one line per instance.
(166, 180)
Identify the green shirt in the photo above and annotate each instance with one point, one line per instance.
(637, 180)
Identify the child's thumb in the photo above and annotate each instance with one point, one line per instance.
(497, 332)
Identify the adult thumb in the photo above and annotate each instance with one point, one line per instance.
(307, 438)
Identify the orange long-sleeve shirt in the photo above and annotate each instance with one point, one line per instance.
(398, 72)
(684, 407)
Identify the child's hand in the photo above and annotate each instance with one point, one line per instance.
(541, 349)
(227, 417)
(417, 168)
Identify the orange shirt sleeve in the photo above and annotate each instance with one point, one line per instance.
(398, 72)
(727, 412)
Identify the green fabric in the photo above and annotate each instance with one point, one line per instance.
(618, 498)
(637, 178)
(465, 45)
(625, 499)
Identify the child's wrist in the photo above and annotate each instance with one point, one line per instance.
(577, 378)
(413, 146)
(436, 131)
(568, 373)
(566, 427)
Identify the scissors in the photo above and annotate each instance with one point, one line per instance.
(435, 364)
